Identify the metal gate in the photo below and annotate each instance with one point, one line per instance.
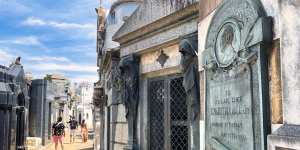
(168, 114)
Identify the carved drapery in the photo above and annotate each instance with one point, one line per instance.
(117, 82)
(129, 70)
(188, 48)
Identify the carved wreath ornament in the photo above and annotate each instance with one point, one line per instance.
(229, 48)
(227, 43)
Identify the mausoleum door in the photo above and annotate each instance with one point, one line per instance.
(168, 114)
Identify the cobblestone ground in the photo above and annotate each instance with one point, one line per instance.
(77, 145)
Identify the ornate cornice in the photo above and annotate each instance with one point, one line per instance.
(112, 54)
(120, 2)
(124, 37)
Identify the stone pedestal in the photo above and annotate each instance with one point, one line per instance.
(285, 138)
(130, 147)
(288, 136)
(33, 143)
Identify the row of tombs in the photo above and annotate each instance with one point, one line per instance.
(27, 109)
(223, 78)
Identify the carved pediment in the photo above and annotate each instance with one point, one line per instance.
(150, 11)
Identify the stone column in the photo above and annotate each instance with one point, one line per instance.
(288, 136)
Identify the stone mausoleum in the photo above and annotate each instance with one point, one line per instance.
(14, 106)
(201, 74)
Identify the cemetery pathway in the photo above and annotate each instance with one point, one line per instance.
(77, 145)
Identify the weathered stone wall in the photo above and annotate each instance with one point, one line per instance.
(290, 46)
(114, 23)
(119, 126)
(149, 61)
(288, 135)
(206, 7)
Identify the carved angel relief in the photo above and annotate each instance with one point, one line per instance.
(117, 82)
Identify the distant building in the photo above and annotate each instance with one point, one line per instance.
(85, 105)
(62, 94)
(49, 98)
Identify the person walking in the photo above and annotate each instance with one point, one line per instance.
(84, 131)
(58, 132)
(73, 127)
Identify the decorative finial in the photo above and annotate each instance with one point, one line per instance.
(18, 61)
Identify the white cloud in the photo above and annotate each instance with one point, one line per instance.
(6, 58)
(64, 25)
(83, 49)
(33, 21)
(28, 41)
(63, 67)
(12, 7)
(48, 58)
(92, 34)
(85, 78)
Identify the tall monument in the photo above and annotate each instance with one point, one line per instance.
(236, 77)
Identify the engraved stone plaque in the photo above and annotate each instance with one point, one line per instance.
(230, 109)
(236, 77)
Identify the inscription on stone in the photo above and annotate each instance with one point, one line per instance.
(236, 91)
(229, 111)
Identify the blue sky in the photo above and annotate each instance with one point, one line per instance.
(51, 36)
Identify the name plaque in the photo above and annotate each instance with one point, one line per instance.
(229, 111)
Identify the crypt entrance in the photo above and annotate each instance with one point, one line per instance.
(168, 114)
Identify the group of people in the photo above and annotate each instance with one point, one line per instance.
(58, 131)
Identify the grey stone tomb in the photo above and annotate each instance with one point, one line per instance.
(236, 77)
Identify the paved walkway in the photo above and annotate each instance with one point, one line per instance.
(77, 145)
